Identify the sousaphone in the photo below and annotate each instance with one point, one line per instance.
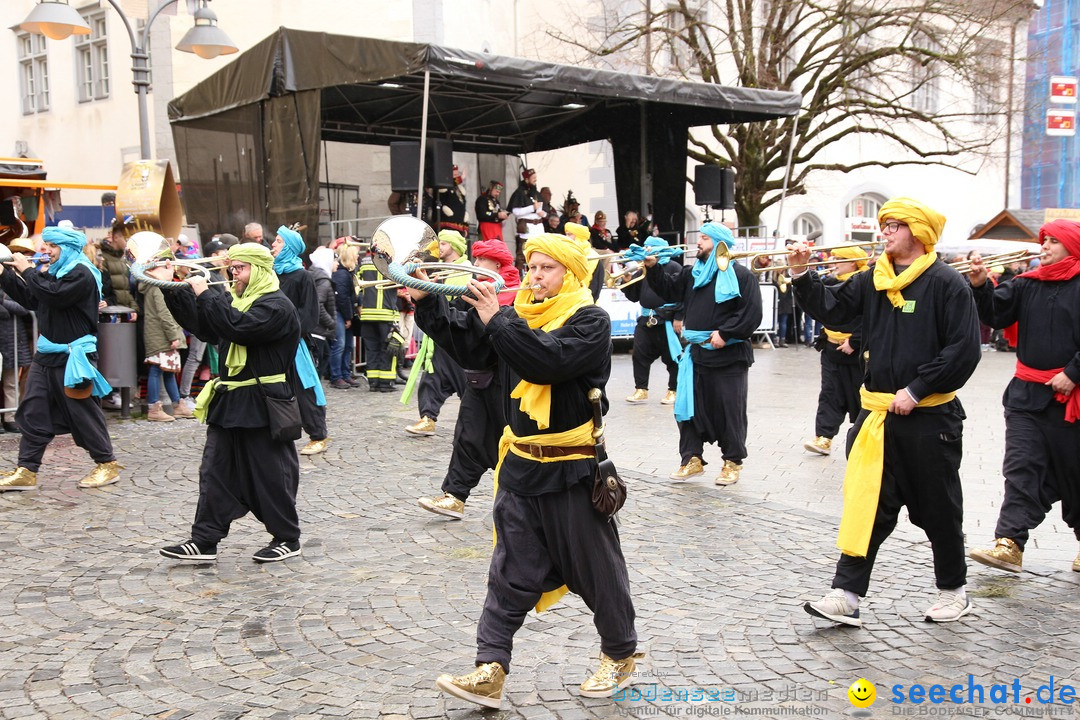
(396, 249)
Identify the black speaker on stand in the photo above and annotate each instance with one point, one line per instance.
(405, 165)
(714, 187)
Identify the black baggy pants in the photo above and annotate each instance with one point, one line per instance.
(244, 471)
(839, 396)
(312, 415)
(434, 387)
(1042, 466)
(922, 472)
(45, 412)
(651, 343)
(544, 542)
(719, 413)
(479, 426)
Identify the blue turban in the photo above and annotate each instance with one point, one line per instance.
(727, 285)
(71, 243)
(288, 258)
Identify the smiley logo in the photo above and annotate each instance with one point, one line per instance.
(862, 693)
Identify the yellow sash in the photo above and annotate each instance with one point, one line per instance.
(866, 463)
(837, 338)
(581, 435)
(202, 402)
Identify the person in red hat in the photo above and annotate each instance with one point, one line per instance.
(489, 213)
(1042, 407)
(480, 419)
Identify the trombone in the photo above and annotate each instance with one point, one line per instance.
(964, 266)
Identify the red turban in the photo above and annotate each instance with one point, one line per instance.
(494, 249)
(1066, 231)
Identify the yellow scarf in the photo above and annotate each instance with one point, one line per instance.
(581, 435)
(263, 280)
(866, 463)
(885, 278)
(553, 312)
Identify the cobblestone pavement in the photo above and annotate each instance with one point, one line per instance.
(386, 596)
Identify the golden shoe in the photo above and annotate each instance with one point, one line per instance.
(18, 479)
(1005, 555)
(689, 470)
(639, 396)
(1076, 564)
(426, 426)
(447, 505)
(482, 686)
(729, 475)
(669, 398)
(315, 447)
(820, 445)
(104, 474)
(611, 676)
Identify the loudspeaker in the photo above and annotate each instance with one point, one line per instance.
(439, 169)
(714, 186)
(405, 165)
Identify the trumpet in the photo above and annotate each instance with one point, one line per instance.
(964, 266)
(870, 247)
(621, 256)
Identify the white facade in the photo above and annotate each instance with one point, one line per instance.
(88, 141)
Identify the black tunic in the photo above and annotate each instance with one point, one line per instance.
(737, 318)
(487, 209)
(67, 307)
(933, 349)
(643, 294)
(1048, 314)
(270, 330)
(300, 289)
(572, 359)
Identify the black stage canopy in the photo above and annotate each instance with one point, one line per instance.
(247, 138)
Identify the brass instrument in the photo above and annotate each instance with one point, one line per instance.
(964, 266)
(396, 248)
(868, 246)
(148, 249)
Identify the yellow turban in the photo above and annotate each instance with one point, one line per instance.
(851, 253)
(926, 224)
(455, 239)
(576, 230)
(571, 252)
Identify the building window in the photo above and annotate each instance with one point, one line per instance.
(92, 60)
(683, 28)
(865, 206)
(33, 73)
(805, 224)
(924, 78)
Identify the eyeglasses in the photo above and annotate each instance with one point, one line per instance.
(892, 226)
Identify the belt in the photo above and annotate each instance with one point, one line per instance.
(836, 342)
(552, 451)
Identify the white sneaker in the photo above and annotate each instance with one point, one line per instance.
(835, 606)
(948, 607)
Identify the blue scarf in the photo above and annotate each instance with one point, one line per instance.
(305, 369)
(288, 258)
(664, 253)
(78, 368)
(71, 243)
(684, 391)
(727, 284)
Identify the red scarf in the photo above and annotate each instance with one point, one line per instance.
(1030, 374)
(1067, 233)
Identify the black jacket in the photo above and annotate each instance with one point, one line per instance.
(572, 359)
(67, 307)
(344, 293)
(300, 289)
(270, 330)
(324, 289)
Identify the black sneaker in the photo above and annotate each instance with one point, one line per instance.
(190, 551)
(277, 551)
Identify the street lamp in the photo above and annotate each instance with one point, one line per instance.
(57, 20)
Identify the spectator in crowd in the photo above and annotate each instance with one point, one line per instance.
(341, 364)
(322, 268)
(253, 233)
(600, 236)
(116, 265)
(162, 337)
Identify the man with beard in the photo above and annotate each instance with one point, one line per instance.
(722, 312)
